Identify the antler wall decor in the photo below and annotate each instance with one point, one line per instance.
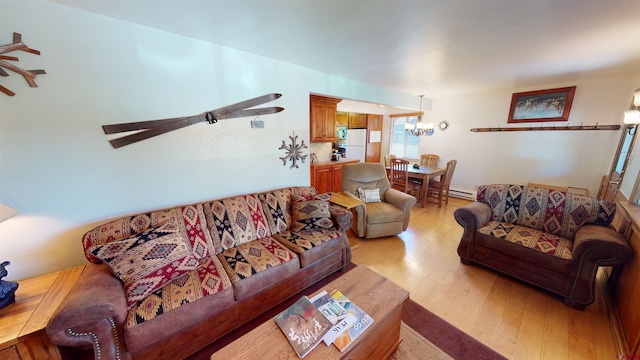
(29, 75)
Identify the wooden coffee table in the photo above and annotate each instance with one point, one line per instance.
(373, 293)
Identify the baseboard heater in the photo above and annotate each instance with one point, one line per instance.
(462, 194)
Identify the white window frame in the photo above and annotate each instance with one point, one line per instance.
(401, 144)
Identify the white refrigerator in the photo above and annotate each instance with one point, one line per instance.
(356, 144)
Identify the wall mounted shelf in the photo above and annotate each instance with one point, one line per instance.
(548, 128)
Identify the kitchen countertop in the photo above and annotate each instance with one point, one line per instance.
(341, 161)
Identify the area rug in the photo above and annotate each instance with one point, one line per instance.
(415, 347)
(424, 334)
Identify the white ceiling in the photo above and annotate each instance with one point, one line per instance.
(415, 47)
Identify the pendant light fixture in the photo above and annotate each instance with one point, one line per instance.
(419, 128)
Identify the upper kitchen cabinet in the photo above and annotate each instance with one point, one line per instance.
(342, 118)
(357, 121)
(323, 118)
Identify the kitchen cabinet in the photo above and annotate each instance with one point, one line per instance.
(327, 176)
(357, 121)
(323, 118)
(627, 282)
(342, 118)
(374, 123)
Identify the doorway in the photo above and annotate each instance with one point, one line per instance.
(611, 183)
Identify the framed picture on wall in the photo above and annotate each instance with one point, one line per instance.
(541, 105)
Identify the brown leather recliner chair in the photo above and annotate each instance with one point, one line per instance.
(387, 217)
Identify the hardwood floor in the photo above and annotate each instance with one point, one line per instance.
(513, 318)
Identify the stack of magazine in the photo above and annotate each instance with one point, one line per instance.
(327, 317)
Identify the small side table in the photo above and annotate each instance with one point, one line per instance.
(347, 203)
(22, 323)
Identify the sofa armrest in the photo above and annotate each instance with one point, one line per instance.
(601, 244)
(473, 216)
(342, 218)
(92, 314)
(402, 201)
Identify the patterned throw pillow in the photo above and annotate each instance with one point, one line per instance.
(145, 262)
(311, 212)
(369, 196)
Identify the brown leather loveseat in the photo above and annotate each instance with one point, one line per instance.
(178, 279)
(551, 239)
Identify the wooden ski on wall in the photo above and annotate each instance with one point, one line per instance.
(153, 128)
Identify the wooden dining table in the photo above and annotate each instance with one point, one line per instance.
(424, 173)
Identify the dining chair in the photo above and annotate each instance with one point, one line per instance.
(387, 163)
(387, 159)
(429, 160)
(438, 188)
(400, 178)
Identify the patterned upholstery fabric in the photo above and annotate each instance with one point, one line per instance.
(229, 240)
(209, 279)
(190, 220)
(311, 212)
(277, 209)
(245, 260)
(301, 241)
(555, 212)
(235, 221)
(534, 239)
(147, 261)
(304, 191)
(277, 206)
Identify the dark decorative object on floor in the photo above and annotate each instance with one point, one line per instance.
(7, 288)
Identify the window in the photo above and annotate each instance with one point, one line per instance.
(403, 145)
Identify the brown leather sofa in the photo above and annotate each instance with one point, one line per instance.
(552, 239)
(252, 253)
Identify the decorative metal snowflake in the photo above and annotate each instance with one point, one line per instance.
(294, 152)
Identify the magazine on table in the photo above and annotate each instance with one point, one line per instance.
(303, 325)
(339, 317)
(363, 321)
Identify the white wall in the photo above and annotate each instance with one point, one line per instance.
(56, 165)
(576, 158)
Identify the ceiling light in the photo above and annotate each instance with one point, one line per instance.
(419, 128)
